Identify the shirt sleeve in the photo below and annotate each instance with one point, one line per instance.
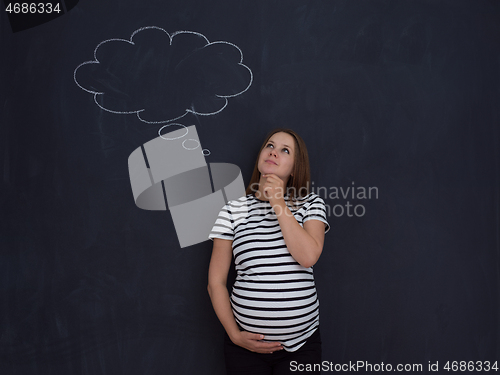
(224, 225)
(316, 210)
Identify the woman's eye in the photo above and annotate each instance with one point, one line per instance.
(285, 149)
(269, 145)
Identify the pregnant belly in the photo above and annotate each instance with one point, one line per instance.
(277, 315)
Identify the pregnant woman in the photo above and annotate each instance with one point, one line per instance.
(275, 234)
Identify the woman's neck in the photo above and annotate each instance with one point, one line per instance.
(259, 194)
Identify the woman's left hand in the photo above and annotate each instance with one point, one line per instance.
(274, 188)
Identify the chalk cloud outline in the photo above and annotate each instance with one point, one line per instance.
(170, 172)
(171, 38)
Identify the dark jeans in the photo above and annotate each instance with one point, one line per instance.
(240, 361)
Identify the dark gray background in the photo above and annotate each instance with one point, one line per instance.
(398, 95)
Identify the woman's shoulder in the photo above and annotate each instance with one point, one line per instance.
(244, 200)
(239, 209)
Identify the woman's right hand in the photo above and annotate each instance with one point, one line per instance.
(252, 342)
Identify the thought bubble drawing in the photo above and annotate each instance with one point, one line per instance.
(162, 77)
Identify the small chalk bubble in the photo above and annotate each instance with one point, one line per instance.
(171, 139)
(205, 152)
(191, 148)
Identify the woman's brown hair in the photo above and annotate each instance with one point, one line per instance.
(298, 182)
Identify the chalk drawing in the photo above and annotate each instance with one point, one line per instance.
(161, 82)
(191, 148)
(169, 138)
(194, 75)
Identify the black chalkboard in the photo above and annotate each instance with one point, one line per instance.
(397, 102)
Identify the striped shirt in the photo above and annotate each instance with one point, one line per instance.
(273, 294)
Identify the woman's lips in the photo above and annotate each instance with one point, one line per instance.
(270, 161)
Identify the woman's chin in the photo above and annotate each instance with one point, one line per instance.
(268, 168)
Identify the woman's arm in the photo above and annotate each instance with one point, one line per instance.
(217, 289)
(220, 262)
(304, 244)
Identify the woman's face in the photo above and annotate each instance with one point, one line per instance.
(278, 156)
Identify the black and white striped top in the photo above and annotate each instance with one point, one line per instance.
(273, 294)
